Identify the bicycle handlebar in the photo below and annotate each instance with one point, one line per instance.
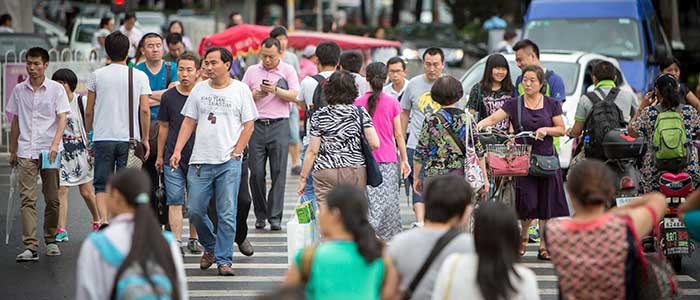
(497, 132)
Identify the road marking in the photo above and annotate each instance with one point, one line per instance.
(235, 278)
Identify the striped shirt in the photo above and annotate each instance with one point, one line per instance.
(338, 126)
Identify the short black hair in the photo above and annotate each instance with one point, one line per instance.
(178, 22)
(226, 55)
(37, 52)
(117, 46)
(271, 41)
(328, 53)
(446, 197)
(526, 43)
(278, 31)
(434, 51)
(446, 90)
(104, 21)
(604, 70)
(150, 35)
(66, 76)
(4, 18)
(395, 60)
(340, 88)
(509, 34)
(351, 61)
(233, 13)
(173, 38)
(129, 16)
(190, 56)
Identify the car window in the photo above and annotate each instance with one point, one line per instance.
(616, 37)
(85, 33)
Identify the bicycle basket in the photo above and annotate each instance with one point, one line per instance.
(508, 160)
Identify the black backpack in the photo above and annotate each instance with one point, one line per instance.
(604, 117)
(318, 100)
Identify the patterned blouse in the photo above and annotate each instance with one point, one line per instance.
(437, 150)
(338, 126)
(644, 126)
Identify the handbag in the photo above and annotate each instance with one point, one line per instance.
(374, 175)
(540, 165)
(472, 169)
(137, 151)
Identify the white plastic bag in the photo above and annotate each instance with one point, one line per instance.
(300, 236)
(11, 198)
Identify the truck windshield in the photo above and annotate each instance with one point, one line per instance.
(618, 37)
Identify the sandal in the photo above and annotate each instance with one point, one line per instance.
(543, 254)
(523, 246)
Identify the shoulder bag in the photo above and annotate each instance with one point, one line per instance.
(540, 165)
(374, 175)
(137, 151)
(472, 169)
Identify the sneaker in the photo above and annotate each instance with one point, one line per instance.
(246, 248)
(95, 226)
(194, 247)
(27, 255)
(533, 234)
(62, 235)
(52, 250)
(103, 226)
(225, 270)
(207, 260)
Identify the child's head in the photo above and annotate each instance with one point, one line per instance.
(127, 189)
(67, 78)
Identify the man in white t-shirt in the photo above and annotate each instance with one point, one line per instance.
(107, 114)
(129, 29)
(222, 111)
(328, 54)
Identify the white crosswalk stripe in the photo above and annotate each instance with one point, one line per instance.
(264, 271)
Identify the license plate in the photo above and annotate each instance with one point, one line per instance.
(670, 223)
(624, 200)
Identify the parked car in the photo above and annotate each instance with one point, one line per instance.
(81, 36)
(416, 38)
(628, 30)
(19, 42)
(575, 68)
(56, 34)
(150, 21)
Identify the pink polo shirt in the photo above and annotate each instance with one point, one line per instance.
(37, 111)
(388, 108)
(272, 106)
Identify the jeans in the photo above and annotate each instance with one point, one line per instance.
(109, 156)
(309, 194)
(175, 182)
(409, 181)
(203, 181)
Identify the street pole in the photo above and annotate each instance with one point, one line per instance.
(216, 16)
(291, 6)
(319, 15)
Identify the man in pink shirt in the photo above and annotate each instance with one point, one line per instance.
(274, 85)
(38, 107)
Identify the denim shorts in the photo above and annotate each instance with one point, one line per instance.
(175, 182)
(110, 156)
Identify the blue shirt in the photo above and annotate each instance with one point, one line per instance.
(158, 81)
(555, 88)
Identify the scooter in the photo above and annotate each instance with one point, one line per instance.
(623, 153)
(671, 235)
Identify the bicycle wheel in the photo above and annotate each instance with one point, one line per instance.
(508, 192)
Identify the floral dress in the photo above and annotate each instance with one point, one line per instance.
(644, 126)
(437, 150)
(76, 167)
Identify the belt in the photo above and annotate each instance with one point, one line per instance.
(268, 122)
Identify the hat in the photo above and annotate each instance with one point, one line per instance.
(310, 51)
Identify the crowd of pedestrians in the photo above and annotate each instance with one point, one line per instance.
(207, 142)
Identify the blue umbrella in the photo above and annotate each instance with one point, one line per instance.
(11, 198)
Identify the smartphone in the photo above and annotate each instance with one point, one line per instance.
(266, 82)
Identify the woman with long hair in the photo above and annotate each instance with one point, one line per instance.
(665, 97)
(176, 26)
(482, 275)
(672, 66)
(384, 209)
(488, 95)
(349, 263)
(595, 247)
(335, 130)
(134, 235)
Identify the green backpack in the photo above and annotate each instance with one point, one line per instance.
(671, 147)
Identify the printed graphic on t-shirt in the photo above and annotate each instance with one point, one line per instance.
(426, 104)
(492, 105)
(216, 105)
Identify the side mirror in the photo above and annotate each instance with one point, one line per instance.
(660, 52)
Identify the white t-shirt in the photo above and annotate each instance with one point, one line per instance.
(220, 114)
(306, 93)
(134, 36)
(457, 280)
(110, 84)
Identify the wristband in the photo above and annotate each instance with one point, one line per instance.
(89, 136)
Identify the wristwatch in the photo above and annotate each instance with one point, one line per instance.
(236, 156)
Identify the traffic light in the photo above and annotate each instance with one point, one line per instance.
(119, 6)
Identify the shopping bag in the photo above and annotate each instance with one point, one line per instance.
(300, 236)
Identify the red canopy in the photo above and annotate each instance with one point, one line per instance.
(301, 39)
(241, 40)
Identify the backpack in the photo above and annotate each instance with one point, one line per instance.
(671, 147)
(604, 117)
(318, 100)
(133, 283)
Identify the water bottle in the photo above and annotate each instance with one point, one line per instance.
(586, 142)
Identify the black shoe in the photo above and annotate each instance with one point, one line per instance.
(259, 224)
(246, 248)
(275, 226)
